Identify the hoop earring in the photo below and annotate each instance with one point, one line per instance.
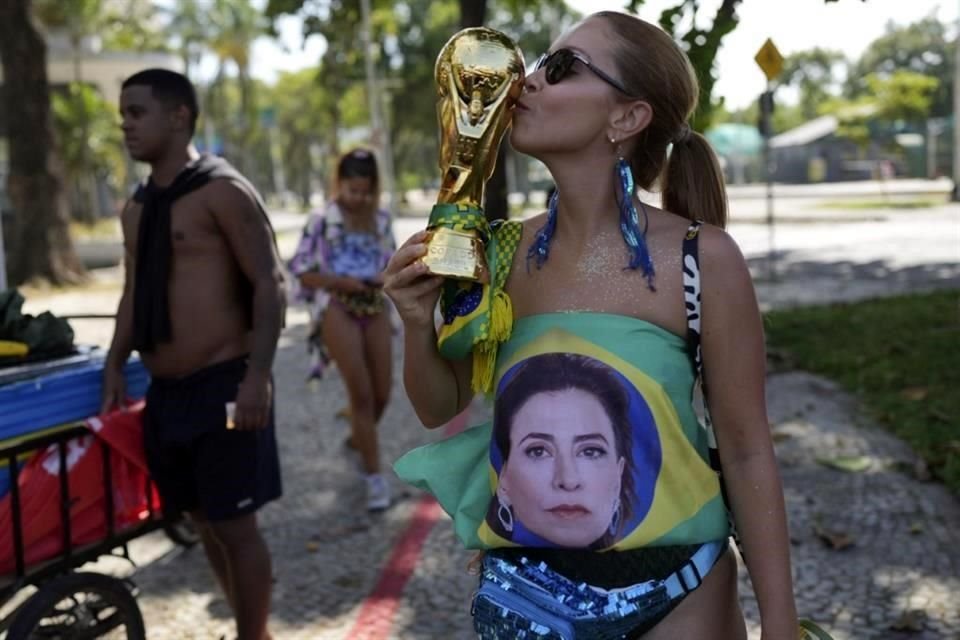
(633, 235)
(505, 516)
(614, 528)
(540, 249)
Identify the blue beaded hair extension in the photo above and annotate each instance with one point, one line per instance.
(633, 235)
(540, 249)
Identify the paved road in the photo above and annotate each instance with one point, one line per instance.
(343, 574)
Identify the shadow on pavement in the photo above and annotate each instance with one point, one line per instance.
(800, 281)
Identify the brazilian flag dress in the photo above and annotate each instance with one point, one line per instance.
(594, 441)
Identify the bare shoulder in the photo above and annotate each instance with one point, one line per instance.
(727, 287)
(720, 255)
(226, 194)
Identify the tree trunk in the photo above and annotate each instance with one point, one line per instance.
(472, 14)
(39, 241)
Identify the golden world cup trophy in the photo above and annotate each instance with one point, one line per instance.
(479, 76)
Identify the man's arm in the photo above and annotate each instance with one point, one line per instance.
(114, 388)
(251, 241)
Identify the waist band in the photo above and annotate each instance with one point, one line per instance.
(233, 365)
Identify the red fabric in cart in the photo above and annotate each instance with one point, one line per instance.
(39, 485)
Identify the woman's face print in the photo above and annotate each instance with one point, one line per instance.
(562, 478)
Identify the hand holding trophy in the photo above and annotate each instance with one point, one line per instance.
(479, 76)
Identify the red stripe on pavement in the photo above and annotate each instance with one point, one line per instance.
(376, 615)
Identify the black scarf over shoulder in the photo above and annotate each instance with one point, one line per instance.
(151, 306)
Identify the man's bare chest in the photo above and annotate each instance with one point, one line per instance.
(193, 229)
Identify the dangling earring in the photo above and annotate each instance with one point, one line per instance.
(633, 235)
(505, 516)
(540, 249)
(614, 528)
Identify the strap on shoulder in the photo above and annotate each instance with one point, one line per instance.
(692, 300)
(691, 294)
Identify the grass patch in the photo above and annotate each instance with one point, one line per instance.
(898, 355)
(857, 205)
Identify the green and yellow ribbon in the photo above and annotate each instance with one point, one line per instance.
(478, 318)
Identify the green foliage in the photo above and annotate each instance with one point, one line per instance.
(88, 131)
(898, 355)
(854, 118)
(921, 47)
(701, 46)
(132, 25)
(904, 95)
(78, 17)
(813, 72)
(407, 38)
(89, 140)
(302, 125)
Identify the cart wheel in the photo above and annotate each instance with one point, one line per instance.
(182, 531)
(79, 605)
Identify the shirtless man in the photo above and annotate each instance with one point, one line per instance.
(203, 303)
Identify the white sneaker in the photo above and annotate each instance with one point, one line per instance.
(378, 492)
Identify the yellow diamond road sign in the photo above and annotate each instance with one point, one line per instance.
(769, 59)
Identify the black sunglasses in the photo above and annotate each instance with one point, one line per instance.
(559, 62)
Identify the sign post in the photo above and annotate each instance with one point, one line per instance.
(771, 63)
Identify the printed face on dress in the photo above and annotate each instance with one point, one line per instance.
(357, 194)
(148, 124)
(574, 111)
(563, 477)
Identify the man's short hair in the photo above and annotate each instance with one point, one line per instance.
(169, 87)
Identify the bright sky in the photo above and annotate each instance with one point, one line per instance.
(794, 25)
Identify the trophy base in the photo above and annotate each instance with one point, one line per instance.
(456, 255)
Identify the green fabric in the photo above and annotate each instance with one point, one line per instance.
(459, 217)
(459, 471)
(482, 327)
(454, 470)
(44, 334)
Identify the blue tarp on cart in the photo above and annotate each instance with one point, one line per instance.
(61, 396)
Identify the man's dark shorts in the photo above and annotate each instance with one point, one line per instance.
(199, 464)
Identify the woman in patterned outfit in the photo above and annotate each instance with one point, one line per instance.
(339, 265)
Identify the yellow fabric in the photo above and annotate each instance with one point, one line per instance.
(481, 331)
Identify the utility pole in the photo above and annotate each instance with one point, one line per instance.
(379, 136)
(766, 129)
(956, 114)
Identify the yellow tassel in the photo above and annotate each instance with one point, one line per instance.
(484, 361)
(501, 317)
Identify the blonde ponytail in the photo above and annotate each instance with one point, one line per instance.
(692, 181)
